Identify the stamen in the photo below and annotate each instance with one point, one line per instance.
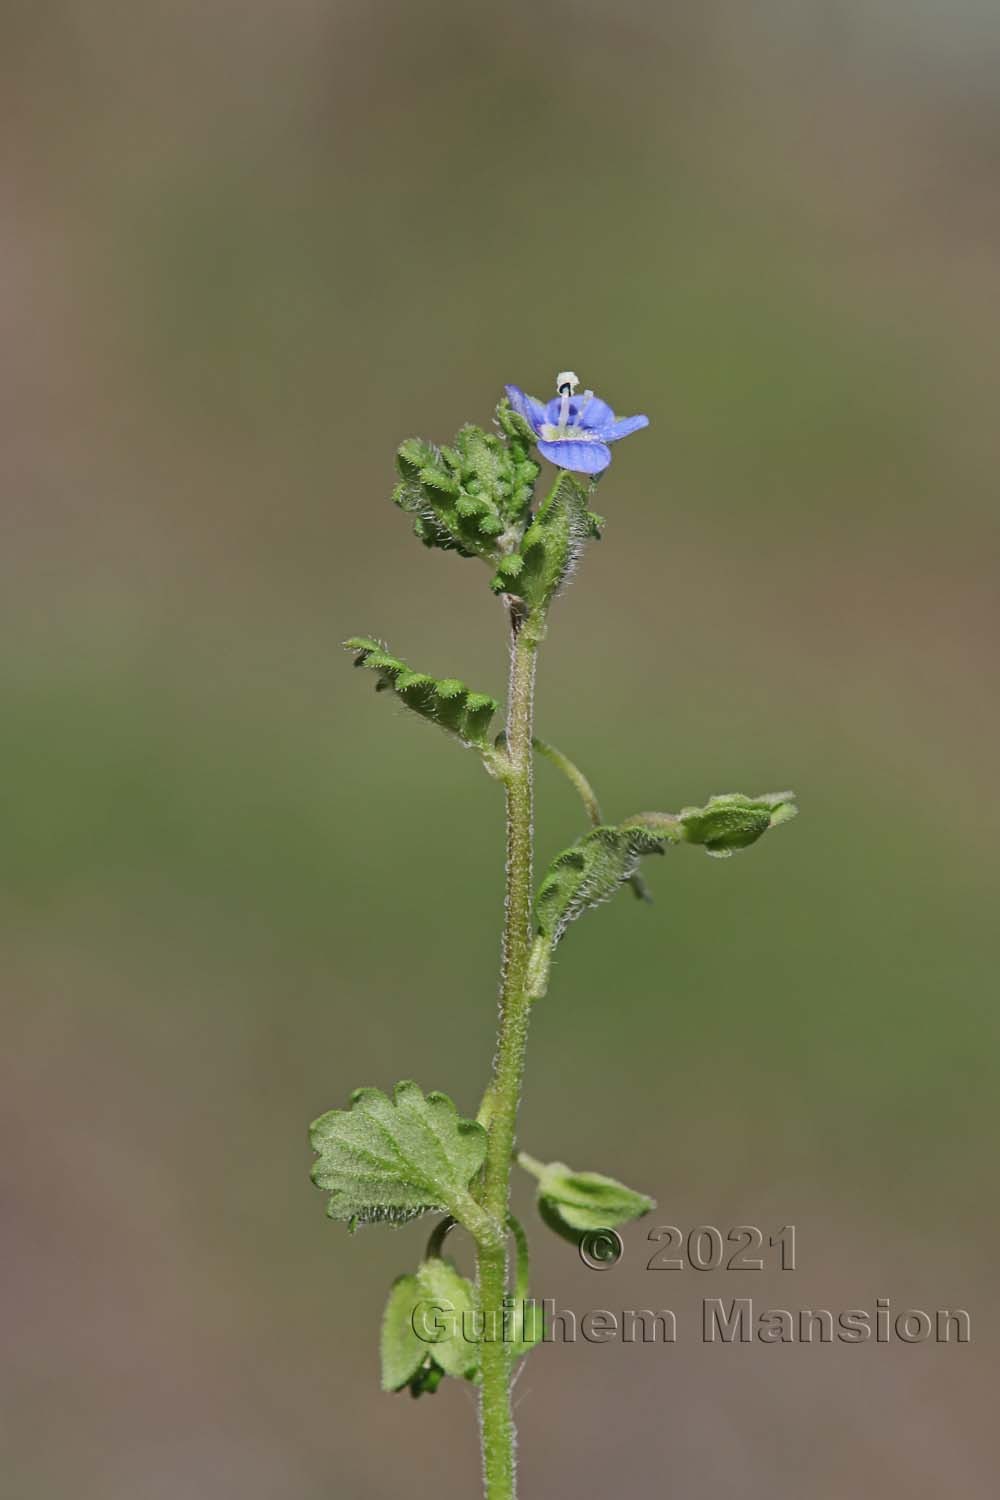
(566, 384)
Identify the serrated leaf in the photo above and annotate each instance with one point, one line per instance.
(590, 872)
(506, 575)
(592, 869)
(472, 497)
(414, 456)
(389, 1160)
(440, 481)
(473, 508)
(513, 424)
(446, 701)
(479, 711)
(572, 1203)
(429, 529)
(522, 469)
(552, 543)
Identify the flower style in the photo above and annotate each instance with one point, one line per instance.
(573, 431)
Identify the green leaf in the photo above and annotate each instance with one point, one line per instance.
(431, 1327)
(552, 544)
(572, 1203)
(445, 701)
(590, 872)
(593, 868)
(588, 796)
(733, 821)
(514, 426)
(389, 1160)
(445, 1318)
(474, 496)
(402, 1353)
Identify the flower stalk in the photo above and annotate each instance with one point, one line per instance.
(504, 1093)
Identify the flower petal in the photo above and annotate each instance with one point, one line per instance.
(581, 411)
(527, 407)
(595, 414)
(582, 458)
(623, 427)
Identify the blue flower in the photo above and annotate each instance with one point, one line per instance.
(574, 431)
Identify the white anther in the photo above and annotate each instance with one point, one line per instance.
(567, 378)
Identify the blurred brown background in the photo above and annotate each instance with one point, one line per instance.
(245, 250)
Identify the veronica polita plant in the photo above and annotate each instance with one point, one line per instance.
(388, 1159)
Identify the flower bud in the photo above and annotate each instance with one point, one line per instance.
(734, 821)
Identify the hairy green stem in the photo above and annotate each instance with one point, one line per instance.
(588, 797)
(574, 776)
(530, 1164)
(522, 1262)
(504, 1094)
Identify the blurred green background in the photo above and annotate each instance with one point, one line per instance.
(245, 250)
